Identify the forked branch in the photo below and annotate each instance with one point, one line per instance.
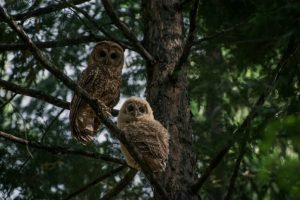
(126, 31)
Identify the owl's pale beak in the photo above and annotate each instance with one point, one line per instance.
(137, 114)
(106, 61)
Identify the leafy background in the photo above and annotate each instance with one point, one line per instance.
(238, 45)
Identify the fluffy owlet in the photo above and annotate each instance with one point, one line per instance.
(147, 134)
(102, 80)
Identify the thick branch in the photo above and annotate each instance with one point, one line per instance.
(91, 101)
(287, 54)
(94, 182)
(59, 150)
(34, 93)
(120, 186)
(189, 41)
(52, 44)
(46, 10)
(126, 31)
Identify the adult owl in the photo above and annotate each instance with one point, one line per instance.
(147, 134)
(102, 80)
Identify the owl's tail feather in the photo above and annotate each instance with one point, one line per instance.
(84, 136)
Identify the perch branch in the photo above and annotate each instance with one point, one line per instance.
(126, 31)
(45, 10)
(287, 54)
(120, 186)
(91, 101)
(34, 93)
(95, 182)
(59, 150)
(189, 41)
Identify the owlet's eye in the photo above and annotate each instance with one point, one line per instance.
(102, 54)
(130, 108)
(113, 56)
(142, 109)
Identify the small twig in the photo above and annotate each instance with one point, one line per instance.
(49, 126)
(94, 182)
(126, 31)
(218, 33)
(59, 150)
(52, 44)
(45, 10)
(120, 186)
(34, 93)
(88, 99)
(237, 165)
(7, 101)
(189, 41)
(93, 22)
(287, 54)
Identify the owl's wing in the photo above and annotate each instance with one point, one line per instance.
(147, 138)
(85, 79)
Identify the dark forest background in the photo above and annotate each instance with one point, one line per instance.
(242, 51)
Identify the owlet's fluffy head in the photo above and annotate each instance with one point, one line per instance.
(107, 53)
(135, 109)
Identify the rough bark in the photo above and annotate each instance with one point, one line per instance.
(164, 40)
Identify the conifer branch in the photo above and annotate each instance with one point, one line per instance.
(126, 31)
(120, 186)
(94, 182)
(59, 150)
(238, 133)
(88, 99)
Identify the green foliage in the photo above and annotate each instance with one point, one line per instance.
(227, 74)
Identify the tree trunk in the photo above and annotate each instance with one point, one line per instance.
(164, 36)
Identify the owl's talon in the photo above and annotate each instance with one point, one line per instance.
(104, 109)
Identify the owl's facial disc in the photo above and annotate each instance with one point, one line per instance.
(102, 56)
(136, 111)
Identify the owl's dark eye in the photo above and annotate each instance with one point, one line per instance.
(130, 108)
(142, 109)
(102, 54)
(113, 56)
